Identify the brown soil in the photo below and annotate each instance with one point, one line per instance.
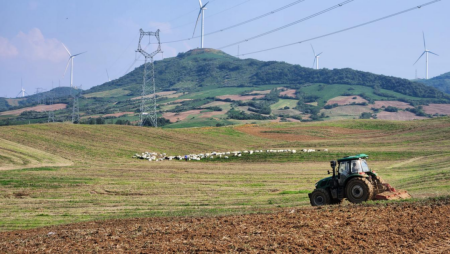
(173, 117)
(39, 108)
(397, 104)
(119, 114)
(401, 115)
(392, 228)
(260, 92)
(346, 100)
(211, 114)
(442, 109)
(289, 93)
(240, 97)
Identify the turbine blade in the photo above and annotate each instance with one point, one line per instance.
(314, 63)
(314, 52)
(66, 49)
(424, 45)
(200, 2)
(18, 93)
(320, 54)
(420, 57)
(205, 5)
(198, 18)
(79, 54)
(433, 53)
(67, 66)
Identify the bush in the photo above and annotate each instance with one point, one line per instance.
(365, 115)
(391, 109)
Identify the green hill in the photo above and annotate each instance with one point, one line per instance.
(441, 82)
(207, 87)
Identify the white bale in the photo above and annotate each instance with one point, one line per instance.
(294, 151)
(226, 157)
(239, 155)
(250, 152)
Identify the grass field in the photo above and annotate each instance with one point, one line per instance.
(109, 93)
(283, 103)
(100, 180)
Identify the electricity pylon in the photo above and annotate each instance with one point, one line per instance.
(153, 116)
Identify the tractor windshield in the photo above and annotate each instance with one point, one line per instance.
(365, 167)
(356, 166)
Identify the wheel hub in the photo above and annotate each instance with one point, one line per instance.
(357, 191)
(319, 200)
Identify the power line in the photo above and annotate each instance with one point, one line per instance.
(212, 15)
(189, 12)
(291, 24)
(343, 30)
(242, 23)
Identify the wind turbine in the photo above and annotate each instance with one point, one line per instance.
(107, 74)
(316, 58)
(71, 57)
(22, 91)
(426, 51)
(201, 13)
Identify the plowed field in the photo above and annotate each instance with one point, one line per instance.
(384, 228)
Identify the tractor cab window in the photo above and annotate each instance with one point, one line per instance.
(365, 167)
(356, 166)
(343, 167)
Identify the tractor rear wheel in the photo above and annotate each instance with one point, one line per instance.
(359, 190)
(320, 197)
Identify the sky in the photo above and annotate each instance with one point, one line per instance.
(32, 33)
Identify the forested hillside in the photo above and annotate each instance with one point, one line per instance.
(441, 82)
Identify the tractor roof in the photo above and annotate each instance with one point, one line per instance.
(354, 157)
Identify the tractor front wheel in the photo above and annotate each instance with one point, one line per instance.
(359, 190)
(319, 197)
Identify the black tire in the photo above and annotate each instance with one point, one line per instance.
(359, 190)
(320, 197)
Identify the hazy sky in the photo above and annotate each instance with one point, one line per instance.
(31, 33)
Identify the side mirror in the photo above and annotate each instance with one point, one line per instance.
(333, 164)
(329, 172)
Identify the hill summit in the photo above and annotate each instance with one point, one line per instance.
(205, 52)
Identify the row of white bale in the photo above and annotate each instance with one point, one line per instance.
(225, 155)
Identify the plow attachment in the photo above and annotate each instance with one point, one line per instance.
(391, 193)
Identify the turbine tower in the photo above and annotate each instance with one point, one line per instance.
(71, 57)
(107, 74)
(22, 91)
(316, 58)
(426, 51)
(201, 13)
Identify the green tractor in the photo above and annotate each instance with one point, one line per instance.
(353, 180)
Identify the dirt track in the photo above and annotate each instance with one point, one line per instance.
(393, 228)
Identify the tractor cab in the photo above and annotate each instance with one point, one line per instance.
(352, 166)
